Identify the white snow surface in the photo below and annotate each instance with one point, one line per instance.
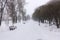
(30, 31)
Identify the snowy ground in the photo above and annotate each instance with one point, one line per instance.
(30, 31)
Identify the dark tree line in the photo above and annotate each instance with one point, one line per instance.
(49, 12)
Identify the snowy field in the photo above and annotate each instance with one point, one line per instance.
(31, 31)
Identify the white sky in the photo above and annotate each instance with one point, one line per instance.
(33, 4)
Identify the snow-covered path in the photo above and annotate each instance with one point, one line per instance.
(30, 31)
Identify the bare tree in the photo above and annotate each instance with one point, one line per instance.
(10, 6)
(1, 9)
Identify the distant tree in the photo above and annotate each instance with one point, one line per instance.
(28, 17)
(22, 11)
(49, 12)
(19, 18)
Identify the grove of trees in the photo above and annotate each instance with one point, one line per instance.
(49, 12)
(12, 10)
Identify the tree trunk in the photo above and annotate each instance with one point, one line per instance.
(1, 15)
(57, 24)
